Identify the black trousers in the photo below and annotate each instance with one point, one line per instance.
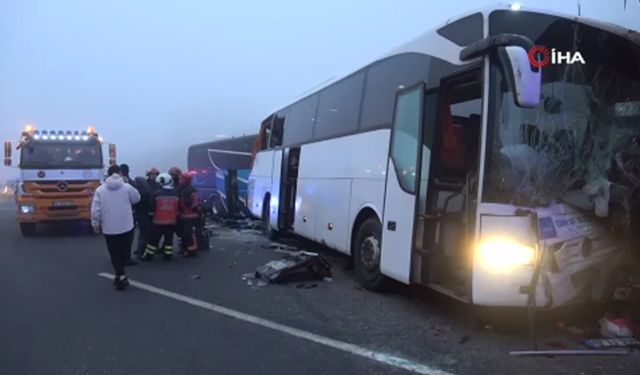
(144, 229)
(158, 232)
(119, 246)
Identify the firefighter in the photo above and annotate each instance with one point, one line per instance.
(142, 211)
(164, 208)
(189, 216)
(175, 173)
(152, 175)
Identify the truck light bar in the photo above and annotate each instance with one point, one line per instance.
(59, 135)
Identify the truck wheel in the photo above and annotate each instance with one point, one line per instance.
(366, 255)
(28, 229)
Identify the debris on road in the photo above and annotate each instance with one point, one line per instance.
(552, 353)
(195, 277)
(280, 247)
(300, 266)
(464, 339)
(306, 286)
(612, 343)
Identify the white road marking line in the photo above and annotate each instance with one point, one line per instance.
(381, 357)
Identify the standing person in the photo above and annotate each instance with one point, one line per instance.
(152, 175)
(175, 174)
(142, 214)
(112, 216)
(164, 206)
(124, 172)
(189, 216)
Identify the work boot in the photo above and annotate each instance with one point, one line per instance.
(147, 257)
(121, 282)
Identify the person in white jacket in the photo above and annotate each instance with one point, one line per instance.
(111, 215)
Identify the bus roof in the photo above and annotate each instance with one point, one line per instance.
(233, 143)
(433, 44)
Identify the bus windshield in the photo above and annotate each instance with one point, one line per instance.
(57, 155)
(588, 117)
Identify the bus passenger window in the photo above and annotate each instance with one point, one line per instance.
(276, 132)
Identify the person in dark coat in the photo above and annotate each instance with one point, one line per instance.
(142, 213)
(189, 216)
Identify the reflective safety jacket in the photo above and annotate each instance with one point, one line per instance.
(189, 203)
(165, 206)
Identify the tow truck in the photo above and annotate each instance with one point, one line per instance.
(59, 173)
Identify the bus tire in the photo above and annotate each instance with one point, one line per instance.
(272, 234)
(28, 229)
(366, 255)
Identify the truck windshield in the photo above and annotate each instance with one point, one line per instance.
(58, 155)
(589, 115)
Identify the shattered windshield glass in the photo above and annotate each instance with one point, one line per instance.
(586, 131)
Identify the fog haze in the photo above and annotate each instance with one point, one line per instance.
(157, 76)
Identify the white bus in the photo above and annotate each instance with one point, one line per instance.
(456, 163)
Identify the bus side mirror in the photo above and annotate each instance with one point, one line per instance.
(525, 80)
(112, 154)
(7, 154)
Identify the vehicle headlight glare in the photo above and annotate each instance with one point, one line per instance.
(504, 254)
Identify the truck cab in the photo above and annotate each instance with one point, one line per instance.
(59, 173)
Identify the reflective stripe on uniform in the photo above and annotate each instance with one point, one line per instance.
(151, 250)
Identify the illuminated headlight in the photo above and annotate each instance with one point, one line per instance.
(27, 209)
(504, 255)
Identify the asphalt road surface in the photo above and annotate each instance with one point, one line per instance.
(59, 314)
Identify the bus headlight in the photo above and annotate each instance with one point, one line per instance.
(27, 208)
(504, 254)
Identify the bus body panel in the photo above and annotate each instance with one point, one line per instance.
(260, 181)
(332, 224)
(345, 187)
(491, 288)
(306, 209)
(274, 202)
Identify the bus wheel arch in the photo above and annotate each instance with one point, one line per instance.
(272, 234)
(366, 250)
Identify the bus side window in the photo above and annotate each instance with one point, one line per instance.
(265, 133)
(276, 131)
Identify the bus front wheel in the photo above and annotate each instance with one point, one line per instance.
(366, 255)
(28, 229)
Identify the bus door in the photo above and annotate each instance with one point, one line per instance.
(400, 189)
(447, 199)
(288, 185)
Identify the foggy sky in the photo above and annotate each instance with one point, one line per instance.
(157, 76)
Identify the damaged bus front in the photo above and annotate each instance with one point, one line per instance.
(560, 200)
